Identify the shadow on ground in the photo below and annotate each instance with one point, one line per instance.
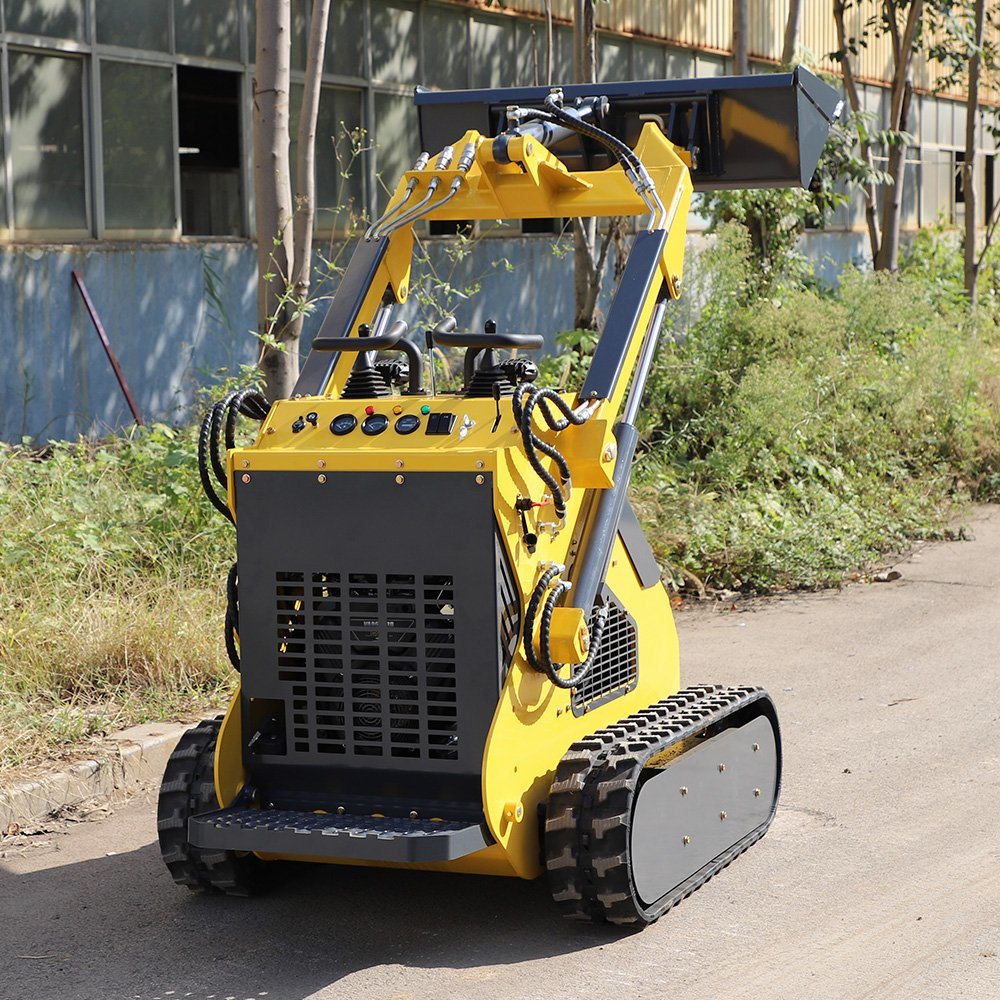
(118, 927)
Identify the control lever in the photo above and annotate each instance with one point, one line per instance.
(497, 393)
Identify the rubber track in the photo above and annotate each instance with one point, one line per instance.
(587, 825)
(188, 788)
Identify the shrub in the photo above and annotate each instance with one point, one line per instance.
(794, 437)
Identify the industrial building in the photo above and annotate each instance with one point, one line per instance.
(126, 153)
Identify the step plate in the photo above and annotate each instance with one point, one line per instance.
(709, 798)
(325, 835)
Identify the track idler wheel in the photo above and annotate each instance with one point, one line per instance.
(188, 789)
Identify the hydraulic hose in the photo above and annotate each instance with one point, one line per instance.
(626, 157)
(526, 399)
(541, 660)
(217, 428)
(372, 231)
(233, 617)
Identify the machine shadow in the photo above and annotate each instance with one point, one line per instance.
(117, 926)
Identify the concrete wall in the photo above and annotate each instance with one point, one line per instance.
(177, 314)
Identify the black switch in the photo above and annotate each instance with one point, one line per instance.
(440, 423)
(298, 425)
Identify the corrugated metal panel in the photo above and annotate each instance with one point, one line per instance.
(707, 25)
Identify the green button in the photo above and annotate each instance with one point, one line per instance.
(425, 408)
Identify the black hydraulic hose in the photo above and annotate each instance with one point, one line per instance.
(217, 428)
(248, 402)
(540, 397)
(531, 611)
(218, 415)
(542, 660)
(233, 616)
(623, 153)
(204, 471)
(621, 149)
(596, 634)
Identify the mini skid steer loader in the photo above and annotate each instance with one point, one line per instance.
(455, 651)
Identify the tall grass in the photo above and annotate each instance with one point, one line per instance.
(111, 573)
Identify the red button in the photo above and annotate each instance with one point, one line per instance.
(369, 410)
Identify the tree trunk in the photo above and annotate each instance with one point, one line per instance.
(972, 154)
(791, 43)
(902, 90)
(741, 24)
(854, 99)
(305, 180)
(272, 191)
(549, 37)
(586, 280)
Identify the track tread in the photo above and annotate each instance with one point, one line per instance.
(594, 787)
(188, 789)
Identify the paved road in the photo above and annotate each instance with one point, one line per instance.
(880, 877)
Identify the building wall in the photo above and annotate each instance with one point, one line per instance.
(125, 146)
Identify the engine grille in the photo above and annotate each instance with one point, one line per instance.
(508, 609)
(368, 662)
(616, 665)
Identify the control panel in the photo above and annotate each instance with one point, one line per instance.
(441, 420)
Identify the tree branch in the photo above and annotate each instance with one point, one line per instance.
(854, 99)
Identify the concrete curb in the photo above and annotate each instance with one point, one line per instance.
(139, 757)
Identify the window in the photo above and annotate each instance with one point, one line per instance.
(339, 164)
(138, 148)
(648, 60)
(552, 227)
(3, 187)
(300, 33)
(54, 18)
(959, 163)
(492, 52)
(208, 125)
(397, 144)
(563, 43)
(345, 40)
(140, 26)
(935, 185)
(47, 151)
(340, 189)
(208, 28)
(445, 31)
(680, 64)
(395, 42)
(530, 53)
(612, 59)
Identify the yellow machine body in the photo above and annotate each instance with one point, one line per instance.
(533, 724)
(456, 653)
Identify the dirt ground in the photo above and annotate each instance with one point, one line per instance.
(880, 877)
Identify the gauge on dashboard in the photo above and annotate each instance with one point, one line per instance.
(343, 423)
(407, 423)
(375, 424)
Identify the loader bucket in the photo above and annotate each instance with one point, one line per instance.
(741, 132)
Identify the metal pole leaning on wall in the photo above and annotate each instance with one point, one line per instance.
(106, 344)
